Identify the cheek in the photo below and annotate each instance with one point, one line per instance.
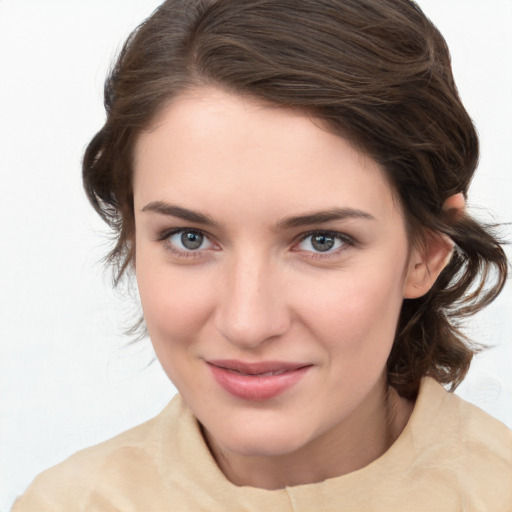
(175, 304)
(175, 311)
(356, 315)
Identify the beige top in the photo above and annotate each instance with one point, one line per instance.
(451, 456)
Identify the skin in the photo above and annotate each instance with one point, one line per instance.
(256, 289)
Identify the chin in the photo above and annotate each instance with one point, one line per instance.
(262, 439)
(274, 446)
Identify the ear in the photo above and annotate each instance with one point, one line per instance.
(427, 262)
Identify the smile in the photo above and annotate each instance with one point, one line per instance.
(257, 381)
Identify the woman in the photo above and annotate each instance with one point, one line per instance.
(287, 180)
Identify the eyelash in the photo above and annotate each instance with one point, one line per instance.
(165, 236)
(346, 240)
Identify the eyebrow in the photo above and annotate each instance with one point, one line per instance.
(318, 217)
(177, 211)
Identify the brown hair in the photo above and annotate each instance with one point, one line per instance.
(378, 73)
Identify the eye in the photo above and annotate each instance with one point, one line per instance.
(323, 242)
(187, 240)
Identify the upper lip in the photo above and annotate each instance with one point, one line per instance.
(255, 368)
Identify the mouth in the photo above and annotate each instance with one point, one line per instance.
(257, 381)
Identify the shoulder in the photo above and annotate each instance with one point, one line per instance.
(74, 483)
(464, 447)
(447, 413)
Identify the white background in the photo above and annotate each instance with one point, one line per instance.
(68, 378)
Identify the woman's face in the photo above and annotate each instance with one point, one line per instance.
(272, 261)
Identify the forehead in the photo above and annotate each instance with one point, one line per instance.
(212, 146)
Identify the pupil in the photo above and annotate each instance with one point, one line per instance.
(191, 240)
(322, 243)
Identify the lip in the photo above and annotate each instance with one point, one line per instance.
(257, 381)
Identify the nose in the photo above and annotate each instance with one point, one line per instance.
(252, 307)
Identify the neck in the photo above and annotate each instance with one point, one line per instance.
(358, 440)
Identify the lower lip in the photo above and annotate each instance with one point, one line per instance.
(254, 387)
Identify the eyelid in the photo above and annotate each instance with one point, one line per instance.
(164, 236)
(330, 232)
(346, 240)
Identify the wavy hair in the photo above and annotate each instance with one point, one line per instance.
(378, 73)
